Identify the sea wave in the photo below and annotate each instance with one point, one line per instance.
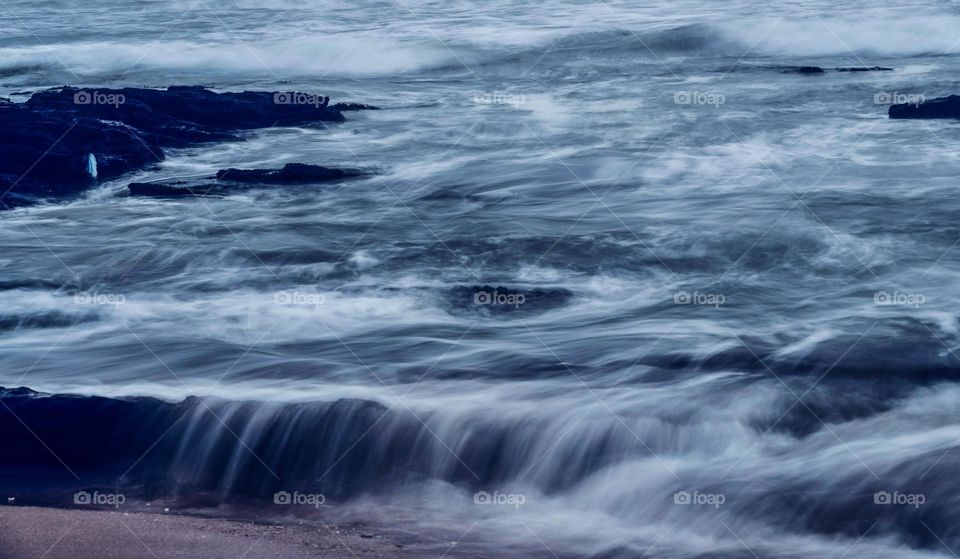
(379, 53)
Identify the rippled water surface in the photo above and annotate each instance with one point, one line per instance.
(611, 258)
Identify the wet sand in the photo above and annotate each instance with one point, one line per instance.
(29, 532)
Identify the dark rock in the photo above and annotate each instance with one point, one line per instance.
(805, 70)
(944, 107)
(48, 155)
(151, 118)
(21, 391)
(818, 70)
(227, 180)
(61, 141)
(291, 173)
(185, 108)
(354, 107)
(863, 69)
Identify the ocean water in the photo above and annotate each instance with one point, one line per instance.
(616, 271)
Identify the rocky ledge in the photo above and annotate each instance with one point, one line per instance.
(227, 180)
(61, 141)
(944, 107)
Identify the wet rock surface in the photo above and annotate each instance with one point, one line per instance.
(61, 141)
(227, 180)
(944, 107)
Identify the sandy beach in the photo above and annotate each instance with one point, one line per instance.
(29, 532)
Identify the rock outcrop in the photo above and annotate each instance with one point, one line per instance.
(944, 107)
(227, 180)
(61, 141)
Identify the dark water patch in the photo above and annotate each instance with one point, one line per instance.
(169, 190)
(12, 71)
(611, 46)
(907, 352)
(487, 300)
(807, 252)
(47, 319)
(448, 194)
(893, 351)
(677, 40)
(512, 366)
(288, 257)
(580, 253)
(915, 503)
(9, 284)
(808, 408)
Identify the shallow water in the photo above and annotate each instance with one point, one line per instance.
(706, 247)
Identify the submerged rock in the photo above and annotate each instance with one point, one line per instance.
(231, 179)
(291, 173)
(60, 141)
(354, 107)
(819, 70)
(944, 107)
(805, 70)
(862, 69)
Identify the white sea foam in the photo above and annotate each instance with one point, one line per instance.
(889, 34)
(307, 55)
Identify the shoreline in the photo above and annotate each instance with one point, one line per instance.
(53, 533)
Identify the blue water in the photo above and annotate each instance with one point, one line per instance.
(736, 282)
